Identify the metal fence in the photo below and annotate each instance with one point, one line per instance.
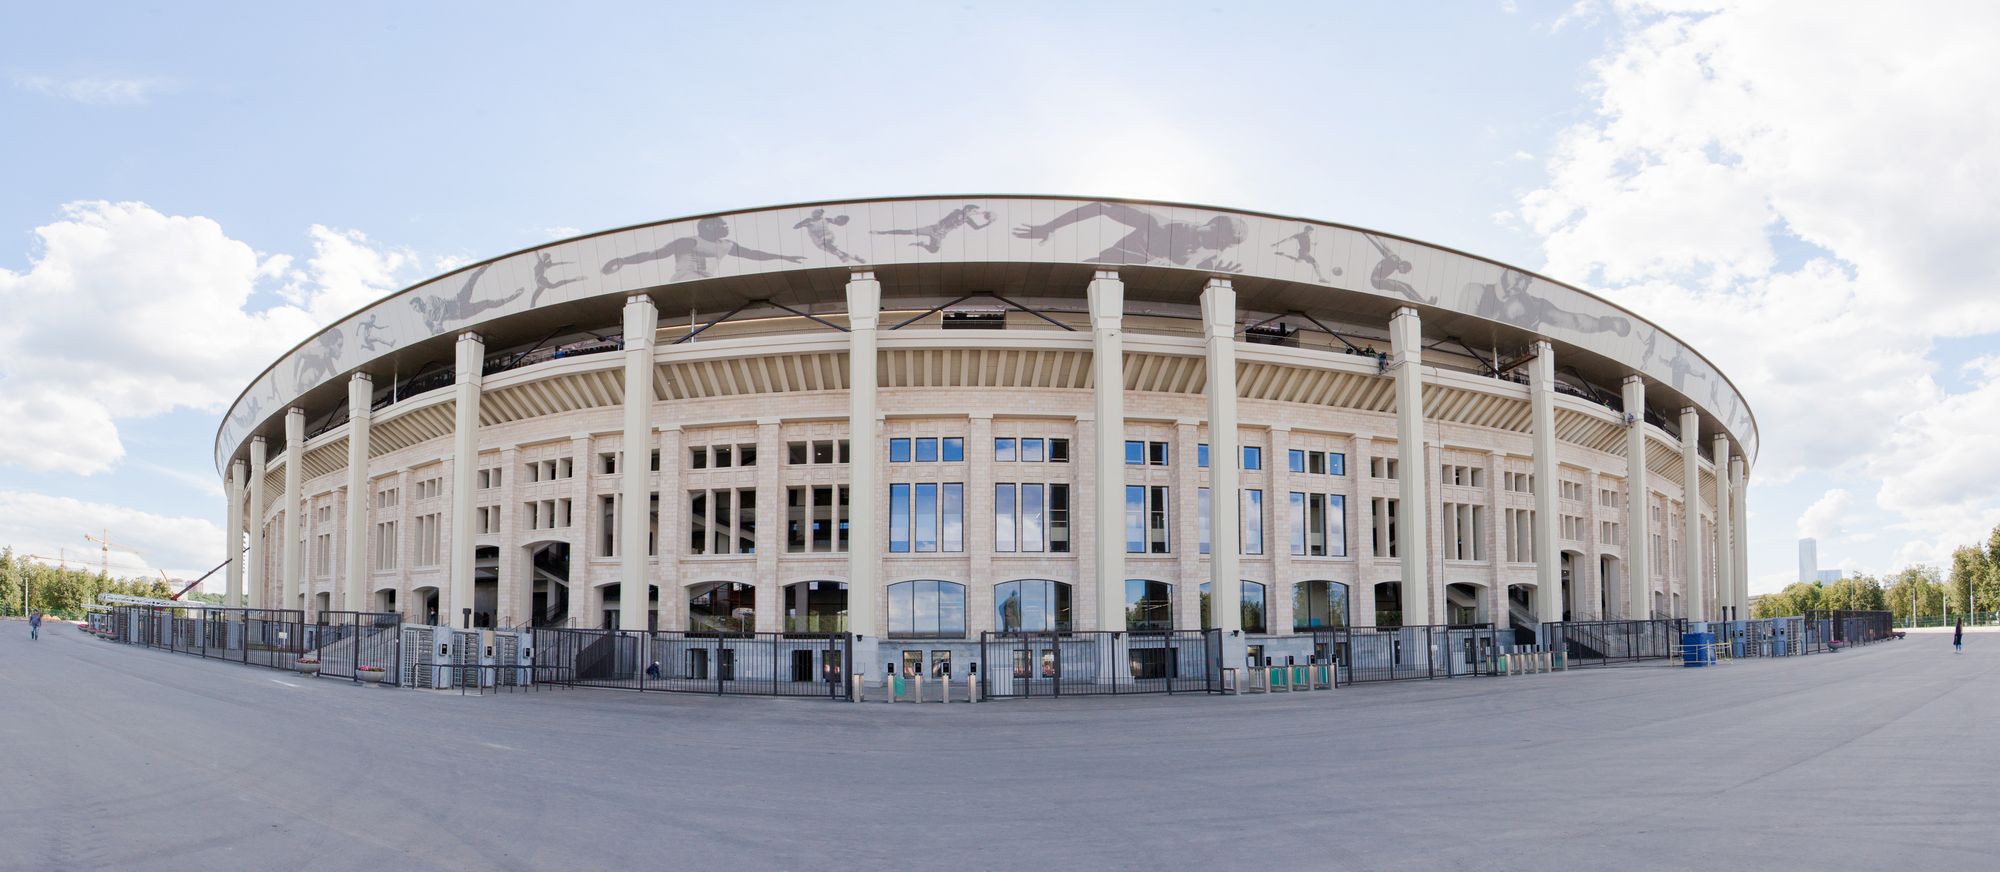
(273, 638)
(347, 641)
(1832, 630)
(1367, 654)
(753, 664)
(1612, 643)
(1088, 663)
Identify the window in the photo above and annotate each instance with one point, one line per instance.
(607, 525)
(1253, 457)
(427, 539)
(927, 450)
(1607, 498)
(1572, 490)
(1201, 455)
(1252, 606)
(489, 478)
(1034, 450)
(385, 546)
(926, 609)
(1382, 467)
(1058, 450)
(1145, 453)
(1318, 605)
(1520, 535)
(1003, 449)
(386, 499)
(430, 488)
(1252, 516)
(1319, 524)
(551, 514)
(724, 608)
(1319, 462)
(1607, 532)
(1031, 517)
(954, 449)
(1149, 605)
(607, 463)
(1204, 508)
(1385, 526)
(698, 458)
(1572, 528)
(1518, 482)
(1295, 460)
(926, 517)
(323, 555)
(818, 451)
(1462, 529)
(722, 521)
(1146, 519)
(1031, 606)
(813, 515)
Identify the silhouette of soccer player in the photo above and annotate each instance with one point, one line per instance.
(1304, 253)
(967, 215)
(1391, 264)
(820, 228)
(695, 256)
(440, 312)
(1153, 241)
(366, 330)
(317, 363)
(543, 261)
(1509, 301)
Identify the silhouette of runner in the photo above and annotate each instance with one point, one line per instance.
(1153, 241)
(967, 215)
(1304, 253)
(820, 228)
(1509, 301)
(316, 364)
(543, 261)
(439, 312)
(366, 330)
(695, 256)
(1391, 264)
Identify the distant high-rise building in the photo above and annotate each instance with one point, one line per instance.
(1829, 576)
(1808, 560)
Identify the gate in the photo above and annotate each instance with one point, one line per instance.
(1402, 653)
(417, 649)
(1611, 643)
(346, 641)
(1092, 663)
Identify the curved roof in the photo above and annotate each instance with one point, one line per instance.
(1293, 255)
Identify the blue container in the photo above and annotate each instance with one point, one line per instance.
(1697, 649)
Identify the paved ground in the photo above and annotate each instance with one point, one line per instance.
(114, 757)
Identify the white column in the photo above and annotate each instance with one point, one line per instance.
(1740, 536)
(1638, 497)
(636, 475)
(865, 525)
(253, 565)
(1107, 351)
(295, 507)
(465, 465)
(1413, 533)
(360, 402)
(232, 540)
(1542, 409)
(1697, 599)
(1725, 533)
(583, 502)
(1225, 459)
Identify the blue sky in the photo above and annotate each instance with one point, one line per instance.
(280, 164)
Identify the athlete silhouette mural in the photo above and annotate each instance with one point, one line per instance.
(695, 256)
(819, 228)
(1303, 251)
(968, 215)
(1511, 301)
(544, 262)
(440, 313)
(1154, 240)
(317, 363)
(366, 332)
(1383, 278)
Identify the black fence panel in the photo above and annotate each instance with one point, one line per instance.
(1091, 663)
(1835, 629)
(345, 642)
(1611, 643)
(1366, 654)
(755, 664)
(274, 638)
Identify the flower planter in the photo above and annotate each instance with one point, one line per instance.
(306, 668)
(374, 677)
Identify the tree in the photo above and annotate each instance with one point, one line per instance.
(1969, 567)
(1917, 592)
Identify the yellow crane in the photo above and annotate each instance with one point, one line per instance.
(104, 542)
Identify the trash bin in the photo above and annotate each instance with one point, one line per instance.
(1697, 649)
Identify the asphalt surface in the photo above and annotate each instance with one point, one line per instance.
(113, 757)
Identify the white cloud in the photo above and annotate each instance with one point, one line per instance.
(95, 90)
(124, 312)
(142, 543)
(561, 232)
(1807, 198)
(1825, 518)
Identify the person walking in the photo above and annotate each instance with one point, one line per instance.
(1958, 637)
(35, 626)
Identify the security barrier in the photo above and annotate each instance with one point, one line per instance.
(753, 664)
(1420, 652)
(1613, 643)
(1090, 663)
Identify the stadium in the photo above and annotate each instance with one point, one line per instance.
(910, 422)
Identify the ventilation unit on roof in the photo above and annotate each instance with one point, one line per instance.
(1272, 334)
(975, 319)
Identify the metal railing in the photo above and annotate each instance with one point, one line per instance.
(347, 641)
(1090, 663)
(1426, 651)
(272, 638)
(754, 664)
(1611, 643)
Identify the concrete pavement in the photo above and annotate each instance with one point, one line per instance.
(116, 757)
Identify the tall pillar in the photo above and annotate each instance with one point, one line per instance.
(1413, 527)
(232, 540)
(1638, 497)
(583, 502)
(464, 466)
(1107, 352)
(253, 566)
(1225, 462)
(1542, 410)
(360, 402)
(1697, 598)
(636, 469)
(1725, 533)
(295, 508)
(1740, 537)
(865, 524)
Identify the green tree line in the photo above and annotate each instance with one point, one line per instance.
(63, 592)
(1971, 586)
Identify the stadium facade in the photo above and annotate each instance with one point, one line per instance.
(915, 420)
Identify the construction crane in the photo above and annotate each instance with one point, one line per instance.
(104, 542)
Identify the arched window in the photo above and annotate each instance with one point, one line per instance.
(1318, 605)
(1149, 605)
(723, 607)
(816, 607)
(1253, 606)
(1031, 606)
(926, 609)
